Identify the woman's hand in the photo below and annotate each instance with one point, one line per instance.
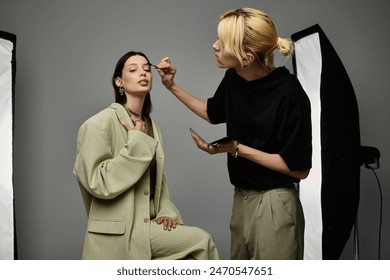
(168, 223)
(167, 72)
(138, 125)
(227, 147)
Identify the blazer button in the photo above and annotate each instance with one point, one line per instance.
(146, 192)
(146, 220)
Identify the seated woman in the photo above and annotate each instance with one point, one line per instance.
(119, 168)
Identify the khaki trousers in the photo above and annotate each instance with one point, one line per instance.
(267, 225)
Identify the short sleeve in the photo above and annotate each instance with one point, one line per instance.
(216, 105)
(295, 132)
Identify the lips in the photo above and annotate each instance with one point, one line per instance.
(143, 82)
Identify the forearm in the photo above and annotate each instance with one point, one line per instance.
(271, 161)
(196, 105)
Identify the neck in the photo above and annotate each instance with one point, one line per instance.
(252, 72)
(135, 104)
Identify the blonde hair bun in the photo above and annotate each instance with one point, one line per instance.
(285, 46)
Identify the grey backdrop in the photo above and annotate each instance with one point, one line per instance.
(66, 51)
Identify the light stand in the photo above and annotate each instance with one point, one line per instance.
(369, 158)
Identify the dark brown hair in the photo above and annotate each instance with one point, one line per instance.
(147, 108)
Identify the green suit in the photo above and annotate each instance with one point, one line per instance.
(112, 169)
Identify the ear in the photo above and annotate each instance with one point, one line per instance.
(118, 82)
(248, 59)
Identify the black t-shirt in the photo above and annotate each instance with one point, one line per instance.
(271, 114)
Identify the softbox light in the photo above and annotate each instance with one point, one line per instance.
(330, 195)
(7, 105)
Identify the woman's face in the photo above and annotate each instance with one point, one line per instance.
(223, 59)
(136, 75)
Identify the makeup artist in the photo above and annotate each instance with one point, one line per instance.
(119, 168)
(269, 112)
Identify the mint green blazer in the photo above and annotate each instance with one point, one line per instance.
(112, 170)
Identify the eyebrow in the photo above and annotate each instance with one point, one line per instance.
(137, 64)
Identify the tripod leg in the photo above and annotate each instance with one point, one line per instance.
(356, 238)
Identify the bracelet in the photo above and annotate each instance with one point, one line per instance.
(235, 153)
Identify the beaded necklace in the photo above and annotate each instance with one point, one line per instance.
(132, 113)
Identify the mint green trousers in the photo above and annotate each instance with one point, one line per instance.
(181, 243)
(267, 225)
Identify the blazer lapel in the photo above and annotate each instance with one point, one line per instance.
(123, 117)
(121, 114)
